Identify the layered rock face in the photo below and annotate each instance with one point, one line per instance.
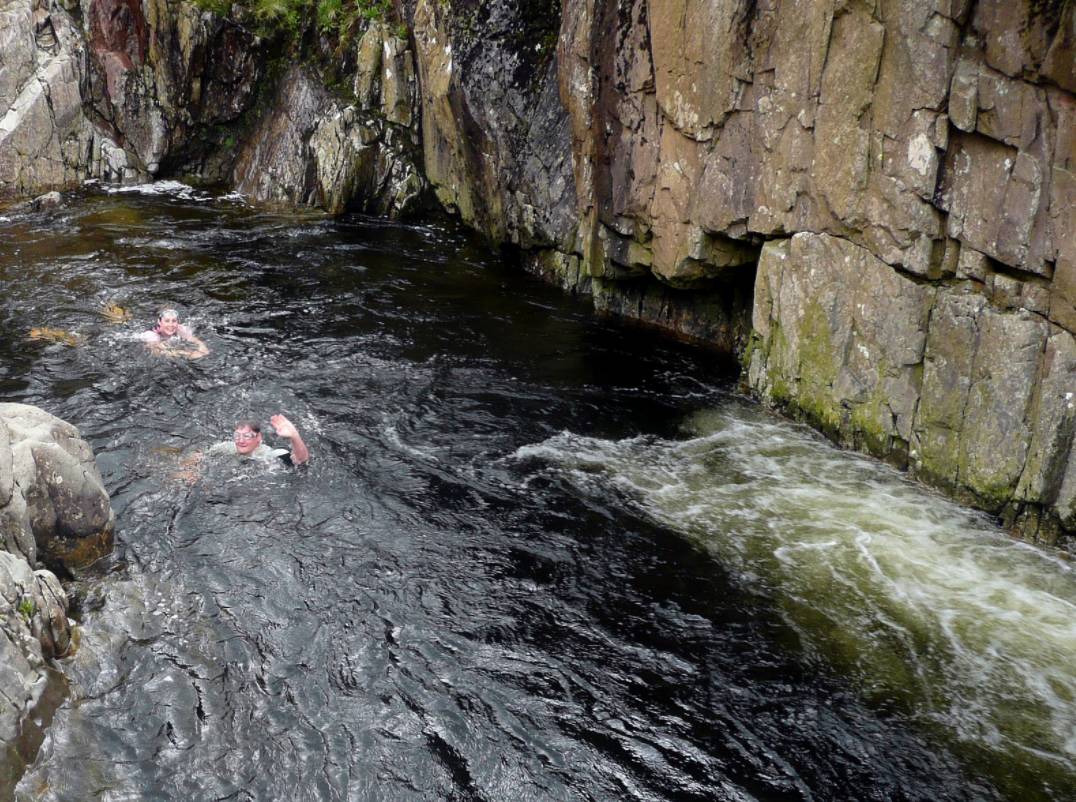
(932, 324)
(355, 152)
(46, 140)
(54, 508)
(901, 174)
(119, 90)
(965, 387)
(536, 131)
(164, 77)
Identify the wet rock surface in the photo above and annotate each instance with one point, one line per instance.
(973, 396)
(54, 506)
(53, 509)
(315, 148)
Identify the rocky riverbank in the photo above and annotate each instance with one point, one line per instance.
(872, 203)
(54, 512)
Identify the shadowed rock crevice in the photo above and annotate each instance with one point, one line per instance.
(350, 149)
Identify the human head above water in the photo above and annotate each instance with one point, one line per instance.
(167, 321)
(247, 436)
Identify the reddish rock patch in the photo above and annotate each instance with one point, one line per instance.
(119, 27)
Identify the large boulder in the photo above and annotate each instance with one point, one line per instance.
(53, 505)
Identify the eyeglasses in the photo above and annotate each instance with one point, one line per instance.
(243, 436)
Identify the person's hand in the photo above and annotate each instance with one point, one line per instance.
(283, 427)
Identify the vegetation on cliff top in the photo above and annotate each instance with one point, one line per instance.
(291, 18)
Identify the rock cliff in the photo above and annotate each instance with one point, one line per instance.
(117, 89)
(46, 139)
(351, 150)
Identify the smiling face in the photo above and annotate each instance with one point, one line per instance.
(246, 439)
(168, 323)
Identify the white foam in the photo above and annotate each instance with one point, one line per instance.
(175, 189)
(925, 596)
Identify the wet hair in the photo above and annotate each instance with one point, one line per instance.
(253, 425)
(164, 310)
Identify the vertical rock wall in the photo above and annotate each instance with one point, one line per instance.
(116, 89)
(540, 129)
(971, 384)
(46, 140)
(354, 149)
(898, 173)
(165, 76)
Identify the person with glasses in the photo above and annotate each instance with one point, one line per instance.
(246, 444)
(169, 336)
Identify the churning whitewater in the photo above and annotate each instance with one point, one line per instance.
(922, 602)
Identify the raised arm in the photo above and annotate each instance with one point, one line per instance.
(285, 428)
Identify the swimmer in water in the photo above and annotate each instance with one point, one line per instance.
(246, 444)
(169, 335)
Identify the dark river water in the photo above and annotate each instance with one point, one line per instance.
(535, 555)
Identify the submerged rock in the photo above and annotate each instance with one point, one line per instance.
(50, 200)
